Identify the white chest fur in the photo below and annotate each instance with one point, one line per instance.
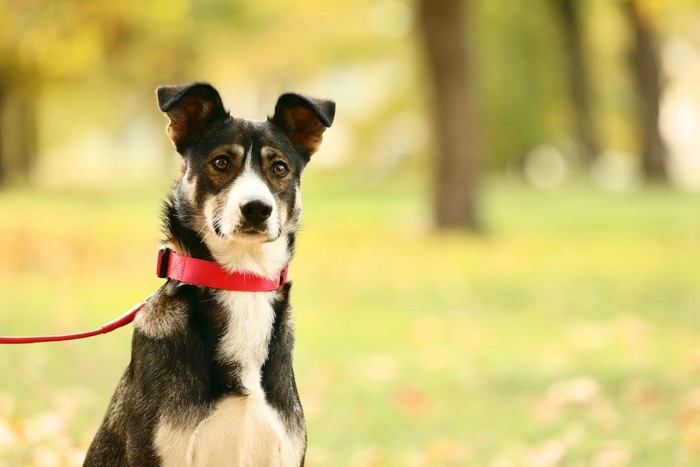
(248, 333)
(240, 431)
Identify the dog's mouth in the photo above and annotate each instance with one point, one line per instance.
(251, 234)
(242, 229)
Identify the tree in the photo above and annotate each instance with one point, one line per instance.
(646, 72)
(112, 54)
(53, 43)
(18, 134)
(569, 15)
(456, 176)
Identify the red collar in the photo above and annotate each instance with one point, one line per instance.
(209, 274)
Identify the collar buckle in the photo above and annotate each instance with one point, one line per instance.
(163, 261)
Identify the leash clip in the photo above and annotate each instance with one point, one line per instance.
(163, 260)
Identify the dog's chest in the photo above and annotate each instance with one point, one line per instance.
(239, 430)
(248, 331)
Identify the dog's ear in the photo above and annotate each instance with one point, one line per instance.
(191, 108)
(303, 119)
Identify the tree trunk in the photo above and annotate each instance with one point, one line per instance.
(18, 134)
(3, 173)
(569, 16)
(456, 175)
(645, 64)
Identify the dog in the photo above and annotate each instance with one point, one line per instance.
(210, 381)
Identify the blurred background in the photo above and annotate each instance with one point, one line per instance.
(499, 257)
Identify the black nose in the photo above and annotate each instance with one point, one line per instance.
(256, 211)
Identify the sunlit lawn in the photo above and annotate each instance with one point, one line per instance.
(569, 334)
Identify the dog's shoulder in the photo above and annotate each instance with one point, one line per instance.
(166, 312)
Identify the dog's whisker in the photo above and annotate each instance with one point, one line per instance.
(205, 233)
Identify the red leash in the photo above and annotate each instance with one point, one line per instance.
(123, 320)
(181, 268)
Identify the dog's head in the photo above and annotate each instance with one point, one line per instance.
(241, 178)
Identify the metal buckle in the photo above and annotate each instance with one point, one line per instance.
(163, 258)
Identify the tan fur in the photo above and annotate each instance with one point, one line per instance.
(160, 318)
(304, 130)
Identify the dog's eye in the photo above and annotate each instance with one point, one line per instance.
(221, 163)
(280, 169)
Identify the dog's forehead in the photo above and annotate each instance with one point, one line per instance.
(249, 133)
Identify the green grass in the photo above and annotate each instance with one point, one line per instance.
(569, 334)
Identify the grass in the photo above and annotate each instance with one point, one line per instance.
(568, 335)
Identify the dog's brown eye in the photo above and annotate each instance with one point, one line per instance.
(280, 169)
(221, 163)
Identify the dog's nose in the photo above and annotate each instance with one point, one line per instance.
(256, 211)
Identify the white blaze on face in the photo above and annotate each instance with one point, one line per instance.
(248, 186)
(263, 257)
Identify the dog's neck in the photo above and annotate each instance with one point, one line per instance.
(264, 259)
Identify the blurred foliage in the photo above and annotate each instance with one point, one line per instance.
(520, 74)
(520, 61)
(134, 41)
(98, 63)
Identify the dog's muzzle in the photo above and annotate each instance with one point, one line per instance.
(255, 218)
(256, 212)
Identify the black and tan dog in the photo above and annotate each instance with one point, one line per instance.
(210, 382)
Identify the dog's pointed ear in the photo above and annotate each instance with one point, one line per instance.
(303, 119)
(191, 108)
